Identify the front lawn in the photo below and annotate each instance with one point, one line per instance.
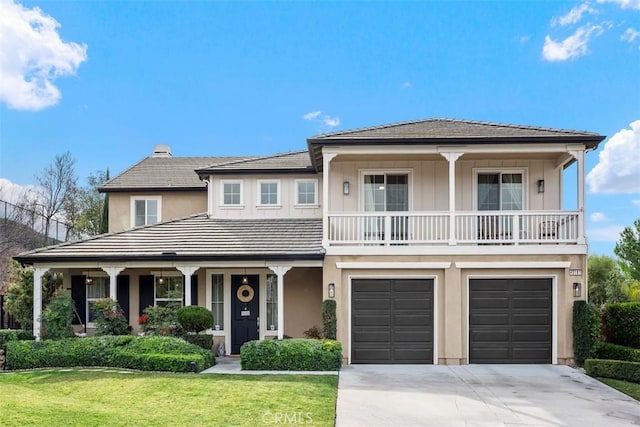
(77, 397)
(630, 389)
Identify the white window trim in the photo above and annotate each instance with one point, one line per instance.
(259, 193)
(231, 181)
(155, 290)
(363, 172)
(132, 211)
(315, 193)
(525, 182)
(87, 299)
(210, 299)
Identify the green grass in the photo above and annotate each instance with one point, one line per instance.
(107, 397)
(630, 389)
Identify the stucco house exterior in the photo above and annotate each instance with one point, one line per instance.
(441, 241)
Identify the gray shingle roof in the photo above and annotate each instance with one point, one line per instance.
(164, 173)
(297, 161)
(194, 238)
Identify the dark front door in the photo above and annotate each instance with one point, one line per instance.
(244, 310)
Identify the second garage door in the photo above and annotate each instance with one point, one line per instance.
(510, 320)
(392, 321)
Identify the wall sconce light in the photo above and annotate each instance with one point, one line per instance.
(245, 279)
(577, 289)
(332, 290)
(541, 186)
(345, 188)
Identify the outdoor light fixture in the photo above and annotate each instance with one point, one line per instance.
(577, 289)
(88, 280)
(345, 188)
(541, 186)
(161, 279)
(245, 279)
(332, 290)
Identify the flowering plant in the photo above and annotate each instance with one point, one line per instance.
(143, 319)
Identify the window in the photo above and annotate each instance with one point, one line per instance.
(386, 193)
(500, 191)
(217, 301)
(232, 193)
(97, 288)
(272, 302)
(145, 211)
(168, 290)
(306, 192)
(269, 193)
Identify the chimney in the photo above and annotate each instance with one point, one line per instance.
(162, 150)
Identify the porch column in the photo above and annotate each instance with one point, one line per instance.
(37, 301)
(280, 271)
(187, 270)
(113, 280)
(451, 158)
(581, 196)
(326, 159)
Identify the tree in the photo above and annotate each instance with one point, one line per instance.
(104, 223)
(89, 204)
(605, 280)
(58, 184)
(628, 249)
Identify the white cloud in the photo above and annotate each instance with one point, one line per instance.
(312, 115)
(598, 217)
(331, 121)
(33, 56)
(605, 234)
(525, 39)
(574, 46)
(625, 4)
(15, 193)
(573, 16)
(636, 202)
(630, 35)
(618, 168)
(406, 85)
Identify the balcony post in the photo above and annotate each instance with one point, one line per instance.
(579, 156)
(451, 158)
(326, 160)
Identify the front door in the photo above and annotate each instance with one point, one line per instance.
(244, 310)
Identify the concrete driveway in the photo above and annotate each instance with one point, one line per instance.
(478, 395)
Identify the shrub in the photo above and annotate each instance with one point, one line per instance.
(13, 335)
(621, 323)
(297, 354)
(617, 369)
(586, 330)
(57, 317)
(143, 353)
(110, 318)
(161, 320)
(606, 350)
(194, 318)
(201, 340)
(313, 332)
(329, 320)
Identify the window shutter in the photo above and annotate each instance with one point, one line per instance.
(122, 294)
(79, 296)
(194, 290)
(146, 292)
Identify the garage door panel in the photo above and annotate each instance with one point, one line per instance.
(513, 328)
(405, 335)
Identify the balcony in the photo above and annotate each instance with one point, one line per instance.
(456, 228)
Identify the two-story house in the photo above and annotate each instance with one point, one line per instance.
(441, 241)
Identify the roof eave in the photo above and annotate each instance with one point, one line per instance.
(202, 187)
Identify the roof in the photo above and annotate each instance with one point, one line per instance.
(293, 162)
(442, 131)
(194, 238)
(164, 173)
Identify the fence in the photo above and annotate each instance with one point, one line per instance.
(12, 216)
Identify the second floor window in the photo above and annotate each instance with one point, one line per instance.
(386, 192)
(269, 193)
(306, 192)
(146, 211)
(232, 193)
(500, 191)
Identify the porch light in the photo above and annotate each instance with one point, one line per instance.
(88, 280)
(332, 290)
(161, 279)
(577, 289)
(541, 186)
(245, 279)
(345, 188)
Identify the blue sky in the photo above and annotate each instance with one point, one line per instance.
(219, 78)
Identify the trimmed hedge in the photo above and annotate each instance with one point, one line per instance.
(617, 369)
(607, 350)
(621, 323)
(201, 340)
(586, 330)
(125, 351)
(194, 318)
(297, 354)
(13, 335)
(329, 319)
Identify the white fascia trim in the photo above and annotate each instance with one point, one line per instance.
(459, 250)
(435, 149)
(393, 265)
(514, 264)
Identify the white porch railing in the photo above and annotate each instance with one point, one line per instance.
(432, 228)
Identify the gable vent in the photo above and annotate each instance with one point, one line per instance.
(162, 150)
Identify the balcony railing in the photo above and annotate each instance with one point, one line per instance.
(470, 228)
